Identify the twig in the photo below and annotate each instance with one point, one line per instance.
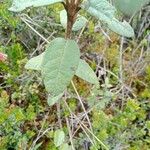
(40, 131)
(34, 30)
(80, 100)
(72, 114)
(83, 126)
(59, 115)
(70, 134)
(121, 68)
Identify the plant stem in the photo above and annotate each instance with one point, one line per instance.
(69, 28)
(72, 8)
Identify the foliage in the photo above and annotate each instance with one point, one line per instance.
(63, 63)
(118, 122)
(19, 5)
(104, 11)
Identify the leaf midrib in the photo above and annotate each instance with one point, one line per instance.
(62, 58)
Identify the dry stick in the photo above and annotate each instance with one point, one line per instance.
(44, 132)
(34, 22)
(95, 136)
(77, 129)
(88, 136)
(69, 129)
(81, 33)
(41, 45)
(104, 33)
(82, 116)
(70, 134)
(83, 126)
(34, 30)
(30, 20)
(72, 114)
(121, 69)
(80, 100)
(139, 45)
(72, 125)
(59, 114)
(40, 131)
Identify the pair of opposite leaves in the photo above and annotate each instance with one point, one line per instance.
(58, 64)
(101, 9)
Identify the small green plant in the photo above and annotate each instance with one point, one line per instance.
(61, 60)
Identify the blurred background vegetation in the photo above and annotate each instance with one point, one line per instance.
(119, 110)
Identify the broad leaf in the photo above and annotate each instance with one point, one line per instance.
(79, 23)
(20, 5)
(85, 72)
(59, 64)
(122, 28)
(101, 9)
(35, 62)
(59, 137)
(105, 12)
(52, 100)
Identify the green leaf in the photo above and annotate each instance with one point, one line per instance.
(122, 28)
(130, 7)
(35, 62)
(20, 5)
(52, 100)
(59, 65)
(85, 72)
(105, 12)
(65, 146)
(79, 23)
(59, 137)
(101, 9)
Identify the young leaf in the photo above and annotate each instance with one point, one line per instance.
(20, 5)
(101, 9)
(35, 62)
(52, 100)
(85, 72)
(59, 137)
(79, 23)
(105, 12)
(59, 64)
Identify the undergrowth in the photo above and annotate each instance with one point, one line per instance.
(119, 110)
